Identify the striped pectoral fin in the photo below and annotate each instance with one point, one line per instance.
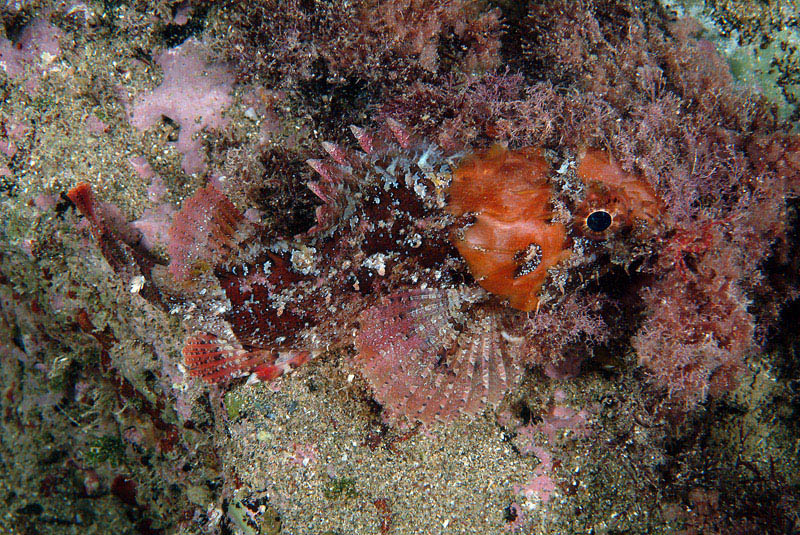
(214, 359)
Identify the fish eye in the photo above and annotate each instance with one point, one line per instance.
(598, 221)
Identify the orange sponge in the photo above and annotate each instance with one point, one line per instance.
(512, 242)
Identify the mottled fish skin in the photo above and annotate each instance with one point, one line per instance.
(379, 230)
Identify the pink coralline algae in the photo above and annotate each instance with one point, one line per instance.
(541, 485)
(556, 419)
(33, 54)
(193, 93)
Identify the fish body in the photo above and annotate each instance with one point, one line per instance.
(430, 266)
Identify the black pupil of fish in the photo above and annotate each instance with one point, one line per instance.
(598, 221)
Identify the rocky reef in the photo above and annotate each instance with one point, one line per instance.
(414, 266)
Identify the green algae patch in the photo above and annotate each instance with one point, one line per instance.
(342, 487)
(107, 448)
(233, 405)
